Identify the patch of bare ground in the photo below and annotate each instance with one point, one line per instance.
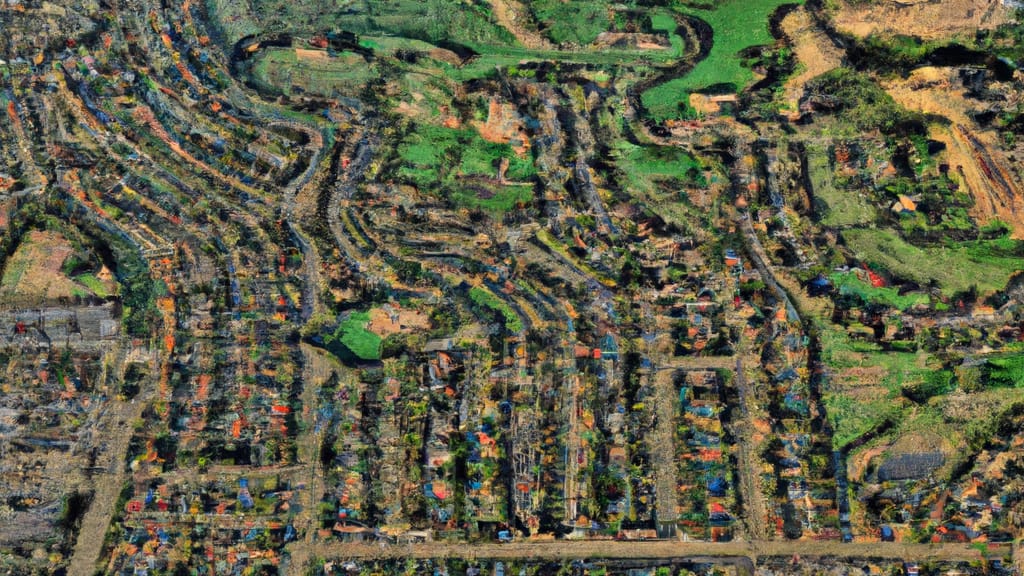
(504, 126)
(397, 320)
(924, 18)
(514, 17)
(813, 49)
(33, 273)
(631, 41)
(975, 156)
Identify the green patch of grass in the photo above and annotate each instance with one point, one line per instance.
(851, 419)
(282, 69)
(645, 166)
(845, 207)
(498, 199)
(573, 21)
(436, 157)
(736, 25)
(849, 283)
(94, 284)
(355, 338)
(486, 298)
(664, 22)
(902, 373)
(984, 264)
(1006, 371)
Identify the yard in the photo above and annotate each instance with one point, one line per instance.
(352, 338)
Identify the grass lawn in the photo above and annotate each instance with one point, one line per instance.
(845, 207)
(576, 21)
(97, 286)
(498, 200)
(984, 264)
(664, 22)
(436, 157)
(865, 384)
(737, 24)
(353, 335)
(283, 69)
(643, 167)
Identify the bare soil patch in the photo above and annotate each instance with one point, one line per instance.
(923, 18)
(513, 16)
(813, 50)
(34, 271)
(395, 319)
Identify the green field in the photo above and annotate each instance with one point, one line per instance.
(97, 286)
(280, 68)
(497, 200)
(575, 21)
(435, 155)
(852, 417)
(354, 338)
(845, 207)
(644, 167)
(737, 25)
(664, 22)
(986, 265)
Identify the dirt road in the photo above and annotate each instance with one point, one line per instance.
(565, 550)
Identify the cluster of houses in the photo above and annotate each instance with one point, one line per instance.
(707, 487)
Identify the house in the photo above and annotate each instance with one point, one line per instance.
(904, 205)
(617, 456)
(347, 533)
(887, 534)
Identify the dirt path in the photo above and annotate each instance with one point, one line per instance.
(317, 368)
(665, 478)
(509, 14)
(566, 550)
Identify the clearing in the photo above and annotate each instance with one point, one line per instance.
(975, 154)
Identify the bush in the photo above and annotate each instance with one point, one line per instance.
(859, 100)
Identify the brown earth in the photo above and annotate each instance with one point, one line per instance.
(924, 18)
(503, 126)
(408, 320)
(34, 271)
(813, 50)
(512, 15)
(631, 40)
